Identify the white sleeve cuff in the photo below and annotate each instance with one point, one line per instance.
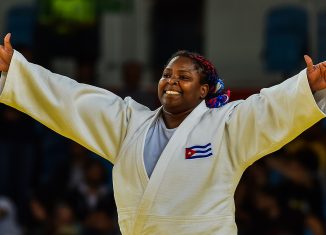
(2, 81)
(320, 97)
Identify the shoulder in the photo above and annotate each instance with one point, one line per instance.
(135, 106)
(138, 111)
(225, 109)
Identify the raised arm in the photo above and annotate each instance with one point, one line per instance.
(91, 116)
(266, 121)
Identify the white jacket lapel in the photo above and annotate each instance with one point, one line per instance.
(162, 164)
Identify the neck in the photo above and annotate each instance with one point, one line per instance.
(173, 120)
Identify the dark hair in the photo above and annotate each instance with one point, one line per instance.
(216, 96)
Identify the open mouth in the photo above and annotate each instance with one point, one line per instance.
(172, 92)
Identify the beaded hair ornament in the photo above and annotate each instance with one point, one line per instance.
(216, 96)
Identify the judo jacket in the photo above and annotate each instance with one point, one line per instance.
(189, 192)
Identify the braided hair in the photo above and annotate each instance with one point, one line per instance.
(216, 96)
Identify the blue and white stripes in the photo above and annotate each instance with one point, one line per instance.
(199, 151)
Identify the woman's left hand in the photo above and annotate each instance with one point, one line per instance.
(316, 74)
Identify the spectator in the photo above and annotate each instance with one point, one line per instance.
(132, 78)
(92, 193)
(8, 223)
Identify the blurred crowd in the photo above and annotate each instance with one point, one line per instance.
(284, 193)
(50, 185)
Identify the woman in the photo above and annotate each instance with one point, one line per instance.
(175, 168)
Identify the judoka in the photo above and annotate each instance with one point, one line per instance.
(175, 168)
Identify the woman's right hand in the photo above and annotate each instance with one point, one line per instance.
(6, 53)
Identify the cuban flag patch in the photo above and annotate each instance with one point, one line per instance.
(199, 151)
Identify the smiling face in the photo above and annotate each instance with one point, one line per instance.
(180, 89)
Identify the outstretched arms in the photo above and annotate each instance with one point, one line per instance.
(6, 53)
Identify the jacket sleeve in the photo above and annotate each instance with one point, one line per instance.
(91, 116)
(267, 121)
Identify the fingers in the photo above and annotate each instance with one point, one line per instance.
(310, 64)
(323, 64)
(7, 43)
(6, 53)
(2, 52)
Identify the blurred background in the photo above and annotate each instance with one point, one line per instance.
(52, 186)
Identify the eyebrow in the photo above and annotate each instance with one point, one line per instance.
(182, 70)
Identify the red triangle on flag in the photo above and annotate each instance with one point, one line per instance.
(189, 153)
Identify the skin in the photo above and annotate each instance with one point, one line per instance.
(6, 52)
(180, 76)
(316, 74)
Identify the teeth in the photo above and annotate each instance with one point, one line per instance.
(172, 92)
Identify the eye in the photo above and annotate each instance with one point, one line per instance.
(166, 75)
(183, 77)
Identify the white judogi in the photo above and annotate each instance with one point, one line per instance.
(183, 196)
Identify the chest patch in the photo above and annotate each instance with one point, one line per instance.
(199, 151)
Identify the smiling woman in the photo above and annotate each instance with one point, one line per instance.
(179, 89)
(187, 80)
(175, 168)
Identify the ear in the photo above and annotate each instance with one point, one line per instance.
(204, 91)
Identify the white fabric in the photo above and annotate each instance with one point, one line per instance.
(2, 81)
(182, 196)
(320, 99)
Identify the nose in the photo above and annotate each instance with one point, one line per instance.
(173, 80)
